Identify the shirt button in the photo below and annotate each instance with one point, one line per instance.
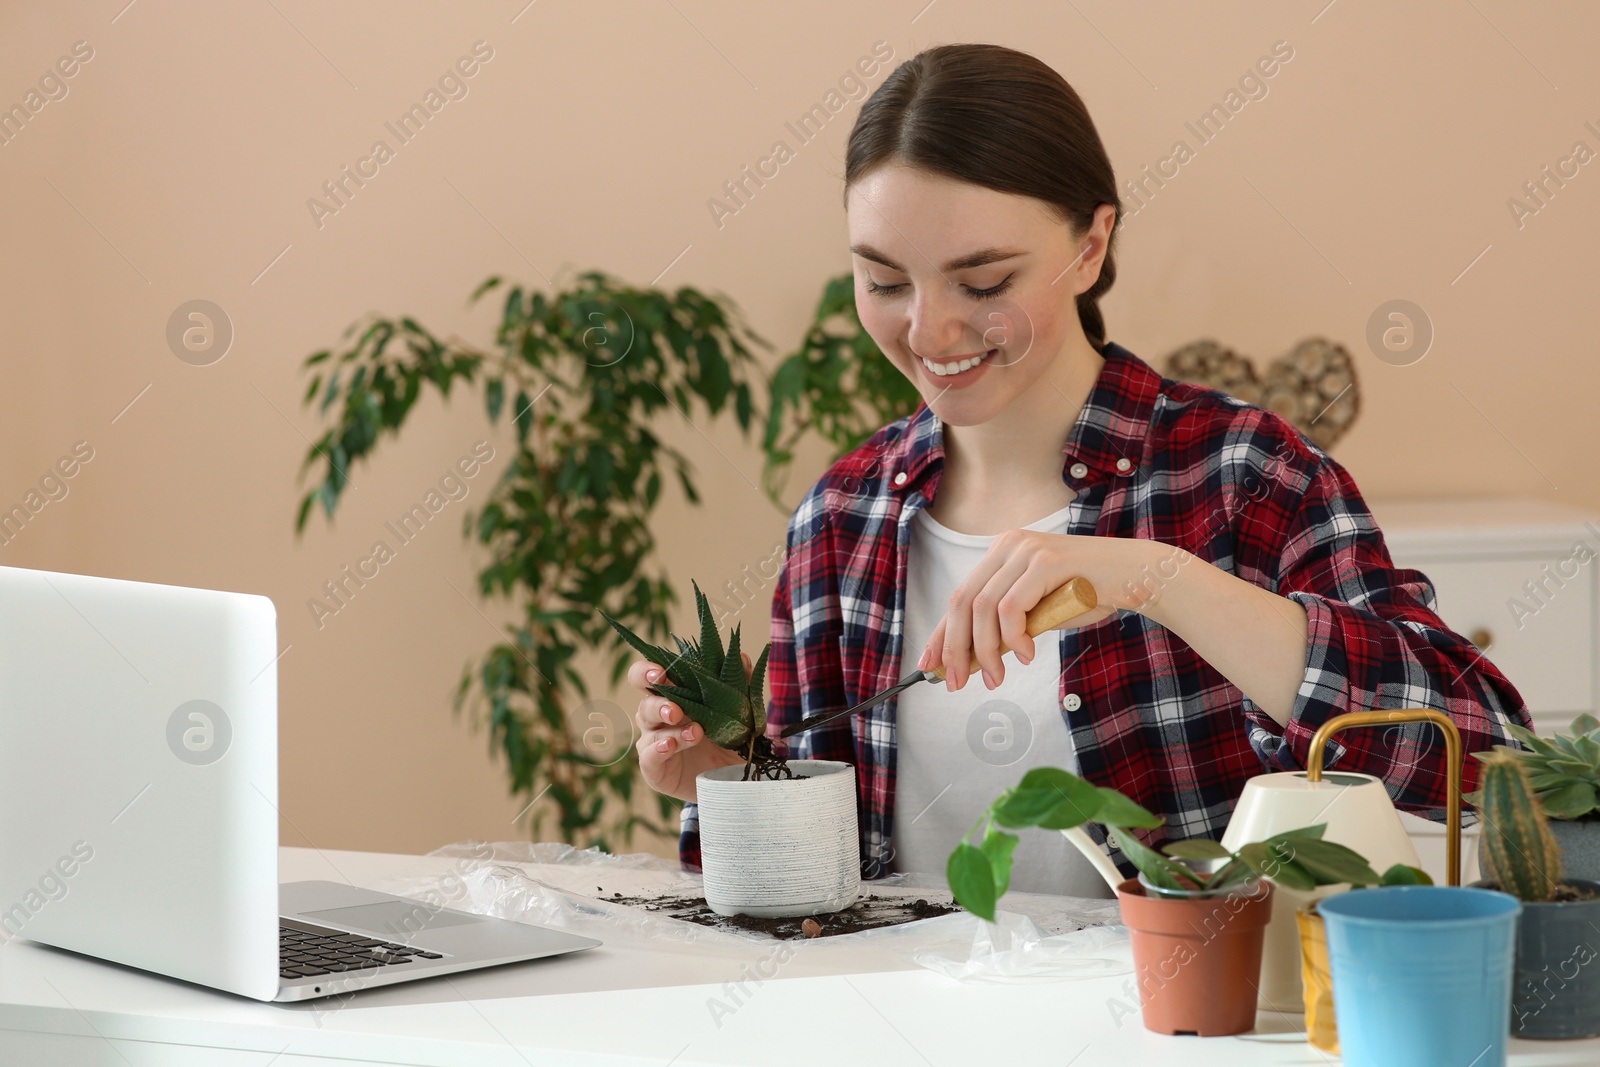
(900, 479)
(1124, 465)
(1078, 470)
(1072, 702)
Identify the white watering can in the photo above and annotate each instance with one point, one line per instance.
(1358, 814)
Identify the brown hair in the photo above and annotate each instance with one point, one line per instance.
(999, 118)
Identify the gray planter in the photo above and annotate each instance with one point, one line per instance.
(1580, 847)
(1557, 988)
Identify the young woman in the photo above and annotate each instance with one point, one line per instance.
(1246, 595)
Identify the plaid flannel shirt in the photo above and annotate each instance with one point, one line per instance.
(1233, 484)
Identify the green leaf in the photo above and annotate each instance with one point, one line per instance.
(723, 714)
(1584, 724)
(732, 666)
(1159, 870)
(711, 654)
(1532, 741)
(1303, 833)
(522, 415)
(998, 846)
(1573, 767)
(1569, 801)
(1048, 797)
(1400, 874)
(659, 656)
(1331, 863)
(1270, 862)
(1199, 848)
(971, 878)
(483, 287)
(1117, 810)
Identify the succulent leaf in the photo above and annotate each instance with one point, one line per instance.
(1569, 801)
(732, 665)
(654, 653)
(709, 684)
(758, 675)
(1564, 770)
(710, 640)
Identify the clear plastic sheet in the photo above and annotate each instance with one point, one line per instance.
(1035, 936)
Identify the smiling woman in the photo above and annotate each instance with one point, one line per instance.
(982, 216)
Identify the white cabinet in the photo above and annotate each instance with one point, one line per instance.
(1518, 578)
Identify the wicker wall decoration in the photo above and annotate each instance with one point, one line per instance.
(1314, 387)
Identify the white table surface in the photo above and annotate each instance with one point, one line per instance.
(614, 1005)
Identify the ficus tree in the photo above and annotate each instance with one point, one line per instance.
(584, 375)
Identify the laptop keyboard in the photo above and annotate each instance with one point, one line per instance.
(305, 951)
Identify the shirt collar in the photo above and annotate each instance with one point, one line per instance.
(1107, 440)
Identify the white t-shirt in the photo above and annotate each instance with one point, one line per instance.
(956, 752)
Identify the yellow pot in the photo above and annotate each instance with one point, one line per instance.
(1321, 1030)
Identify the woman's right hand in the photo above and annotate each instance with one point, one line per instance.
(672, 747)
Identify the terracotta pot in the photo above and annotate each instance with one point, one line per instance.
(1321, 1029)
(1197, 958)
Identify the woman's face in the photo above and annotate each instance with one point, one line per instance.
(947, 272)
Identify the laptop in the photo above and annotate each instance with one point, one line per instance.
(139, 804)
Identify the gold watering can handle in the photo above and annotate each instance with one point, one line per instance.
(1452, 750)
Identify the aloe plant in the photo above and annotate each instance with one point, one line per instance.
(1564, 770)
(710, 685)
(1521, 852)
(1056, 800)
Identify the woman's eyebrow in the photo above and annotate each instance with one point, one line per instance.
(979, 258)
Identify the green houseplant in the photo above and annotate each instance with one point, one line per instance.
(582, 374)
(1196, 914)
(837, 385)
(777, 840)
(1564, 771)
(710, 684)
(1557, 989)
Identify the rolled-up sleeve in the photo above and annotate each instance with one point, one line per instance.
(1375, 641)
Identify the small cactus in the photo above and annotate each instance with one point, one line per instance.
(1523, 855)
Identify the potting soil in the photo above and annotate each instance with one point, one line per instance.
(871, 912)
(648, 901)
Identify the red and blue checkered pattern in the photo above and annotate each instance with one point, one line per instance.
(1233, 484)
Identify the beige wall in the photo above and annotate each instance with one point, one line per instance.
(1378, 166)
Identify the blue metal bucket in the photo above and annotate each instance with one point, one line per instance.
(1422, 974)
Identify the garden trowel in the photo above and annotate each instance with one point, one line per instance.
(1068, 602)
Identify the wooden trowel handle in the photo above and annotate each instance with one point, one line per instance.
(1067, 602)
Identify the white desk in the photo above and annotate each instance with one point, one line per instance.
(614, 1006)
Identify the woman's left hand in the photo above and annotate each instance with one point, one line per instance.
(1019, 570)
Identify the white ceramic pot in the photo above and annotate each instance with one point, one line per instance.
(780, 848)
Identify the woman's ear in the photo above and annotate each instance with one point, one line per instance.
(1091, 249)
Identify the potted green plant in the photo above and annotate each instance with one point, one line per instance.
(777, 839)
(585, 370)
(1556, 993)
(1564, 771)
(1196, 913)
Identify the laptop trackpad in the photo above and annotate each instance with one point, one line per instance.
(391, 915)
